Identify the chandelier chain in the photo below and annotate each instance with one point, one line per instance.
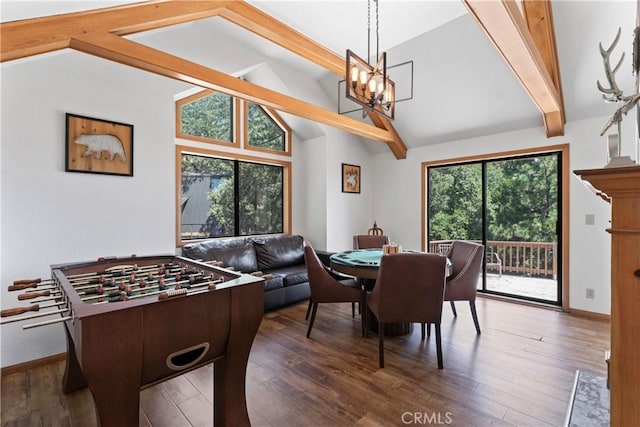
(368, 30)
(377, 33)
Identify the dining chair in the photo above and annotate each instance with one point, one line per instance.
(409, 289)
(325, 288)
(367, 241)
(466, 258)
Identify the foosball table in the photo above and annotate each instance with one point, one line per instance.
(133, 322)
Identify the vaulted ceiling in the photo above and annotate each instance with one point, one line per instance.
(462, 85)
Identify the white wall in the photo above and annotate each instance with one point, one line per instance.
(397, 198)
(51, 216)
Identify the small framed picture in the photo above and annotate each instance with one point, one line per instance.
(350, 178)
(98, 146)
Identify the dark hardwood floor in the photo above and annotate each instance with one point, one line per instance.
(520, 371)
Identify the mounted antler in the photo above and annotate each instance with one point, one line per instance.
(613, 93)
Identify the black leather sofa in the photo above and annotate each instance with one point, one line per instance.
(279, 255)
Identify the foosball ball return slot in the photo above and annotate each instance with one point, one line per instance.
(165, 315)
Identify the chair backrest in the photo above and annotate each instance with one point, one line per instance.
(409, 288)
(365, 241)
(324, 288)
(466, 258)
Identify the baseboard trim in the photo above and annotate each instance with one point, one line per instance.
(519, 301)
(25, 366)
(590, 314)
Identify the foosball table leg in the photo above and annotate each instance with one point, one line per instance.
(73, 378)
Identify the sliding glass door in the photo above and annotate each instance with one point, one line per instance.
(512, 206)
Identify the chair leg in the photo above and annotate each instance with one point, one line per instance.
(313, 317)
(422, 331)
(453, 308)
(363, 321)
(428, 329)
(366, 316)
(381, 344)
(306, 317)
(353, 309)
(474, 314)
(439, 346)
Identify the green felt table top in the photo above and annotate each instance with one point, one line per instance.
(363, 258)
(358, 258)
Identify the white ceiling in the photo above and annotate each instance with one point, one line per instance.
(462, 87)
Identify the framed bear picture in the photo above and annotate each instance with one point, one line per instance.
(98, 146)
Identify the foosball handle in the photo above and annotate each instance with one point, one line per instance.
(25, 281)
(31, 295)
(23, 284)
(18, 310)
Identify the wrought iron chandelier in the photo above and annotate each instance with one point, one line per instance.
(368, 85)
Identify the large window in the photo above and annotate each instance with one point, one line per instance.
(230, 194)
(226, 197)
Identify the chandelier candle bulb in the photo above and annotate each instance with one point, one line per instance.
(354, 76)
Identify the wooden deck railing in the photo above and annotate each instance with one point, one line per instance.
(536, 259)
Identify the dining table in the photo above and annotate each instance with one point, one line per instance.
(364, 264)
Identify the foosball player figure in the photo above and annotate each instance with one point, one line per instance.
(132, 278)
(161, 285)
(101, 279)
(123, 296)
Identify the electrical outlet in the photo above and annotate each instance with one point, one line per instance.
(591, 293)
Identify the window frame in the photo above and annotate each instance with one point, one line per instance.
(278, 121)
(564, 183)
(286, 176)
(235, 117)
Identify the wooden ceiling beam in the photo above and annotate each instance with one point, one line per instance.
(127, 52)
(41, 35)
(27, 37)
(396, 146)
(539, 18)
(258, 22)
(504, 25)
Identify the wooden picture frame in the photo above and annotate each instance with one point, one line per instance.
(350, 178)
(98, 146)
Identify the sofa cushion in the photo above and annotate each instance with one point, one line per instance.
(291, 275)
(275, 282)
(279, 251)
(234, 252)
(242, 258)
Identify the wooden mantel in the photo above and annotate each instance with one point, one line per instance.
(622, 185)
